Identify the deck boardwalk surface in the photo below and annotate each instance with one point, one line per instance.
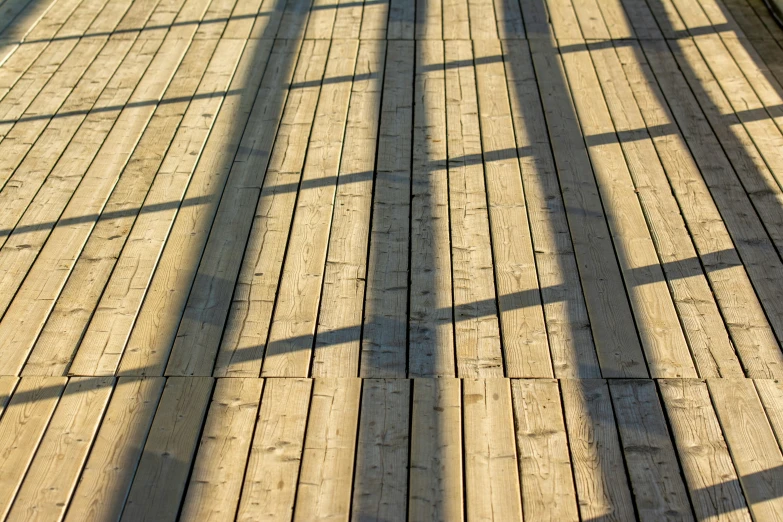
(427, 260)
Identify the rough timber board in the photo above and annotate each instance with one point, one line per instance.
(390, 260)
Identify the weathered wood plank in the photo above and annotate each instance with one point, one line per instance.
(544, 462)
(751, 241)
(21, 428)
(216, 480)
(262, 238)
(568, 326)
(436, 485)
(161, 478)
(58, 462)
(659, 491)
(386, 303)
(293, 324)
(338, 337)
(380, 483)
(657, 322)
(273, 466)
(114, 457)
(158, 200)
(703, 326)
(523, 332)
(614, 332)
(752, 445)
(491, 475)
(159, 317)
(324, 484)
(712, 481)
(59, 254)
(23, 318)
(601, 486)
(477, 325)
(430, 325)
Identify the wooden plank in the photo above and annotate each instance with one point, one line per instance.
(430, 328)
(60, 14)
(215, 20)
(31, 83)
(752, 445)
(216, 480)
(157, 199)
(659, 327)
(273, 467)
(32, 229)
(702, 324)
(744, 16)
(456, 23)
(617, 21)
(79, 217)
(386, 302)
(294, 21)
(747, 325)
(19, 18)
(763, 120)
(402, 17)
(156, 492)
(544, 462)
(595, 451)
(655, 475)
(198, 338)
(36, 143)
(641, 18)
(236, 229)
(764, 78)
(754, 170)
(19, 131)
(591, 21)
(321, 20)
(565, 24)
(21, 428)
(53, 78)
(568, 326)
(32, 21)
(293, 323)
(348, 22)
(509, 19)
(142, 187)
(483, 25)
(7, 385)
(158, 319)
(477, 326)
(616, 341)
(248, 13)
(324, 489)
(338, 337)
(375, 17)
(53, 474)
(436, 485)
(763, 12)
(714, 489)
(429, 20)
(537, 21)
(522, 327)
(380, 483)
(755, 250)
(114, 457)
(490, 451)
(17, 64)
(771, 395)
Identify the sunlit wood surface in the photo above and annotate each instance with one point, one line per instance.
(381, 260)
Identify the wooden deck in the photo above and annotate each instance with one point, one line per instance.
(378, 260)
